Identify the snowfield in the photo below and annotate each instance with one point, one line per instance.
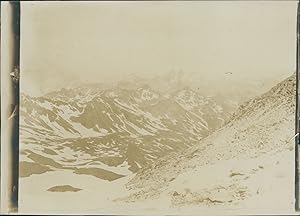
(257, 186)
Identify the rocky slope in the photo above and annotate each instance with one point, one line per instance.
(250, 158)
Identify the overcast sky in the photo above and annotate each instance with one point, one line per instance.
(66, 42)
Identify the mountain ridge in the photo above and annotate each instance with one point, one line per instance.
(106, 125)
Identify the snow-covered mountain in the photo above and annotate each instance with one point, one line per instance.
(147, 138)
(247, 165)
(112, 132)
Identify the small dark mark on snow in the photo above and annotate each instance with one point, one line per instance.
(236, 174)
(172, 179)
(175, 193)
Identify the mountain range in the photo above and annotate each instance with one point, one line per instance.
(140, 150)
(115, 130)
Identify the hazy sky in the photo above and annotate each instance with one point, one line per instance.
(65, 42)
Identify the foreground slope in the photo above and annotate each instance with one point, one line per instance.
(247, 165)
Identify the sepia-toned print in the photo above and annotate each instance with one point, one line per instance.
(157, 107)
